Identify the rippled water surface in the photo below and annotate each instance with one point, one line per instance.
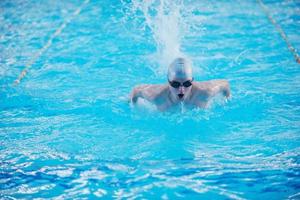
(67, 131)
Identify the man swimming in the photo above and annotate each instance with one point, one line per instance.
(181, 88)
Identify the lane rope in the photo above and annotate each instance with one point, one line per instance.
(48, 44)
(281, 32)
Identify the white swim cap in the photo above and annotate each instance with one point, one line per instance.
(180, 68)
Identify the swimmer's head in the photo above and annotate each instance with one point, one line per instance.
(180, 79)
(180, 68)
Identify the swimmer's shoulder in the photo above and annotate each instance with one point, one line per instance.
(154, 88)
(158, 90)
(207, 85)
(201, 87)
(152, 91)
(151, 86)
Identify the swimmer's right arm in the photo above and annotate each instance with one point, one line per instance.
(140, 91)
(147, 92)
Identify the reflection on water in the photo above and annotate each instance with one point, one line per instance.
(202, 176)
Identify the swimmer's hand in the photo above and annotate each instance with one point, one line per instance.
(226, 90)
(134, 95)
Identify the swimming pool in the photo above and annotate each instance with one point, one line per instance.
(67, 131)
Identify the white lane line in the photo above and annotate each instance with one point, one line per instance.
(48, 44)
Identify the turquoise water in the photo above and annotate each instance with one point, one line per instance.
(67, 131)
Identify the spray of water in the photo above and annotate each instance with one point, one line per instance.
(166, 22)
(165, 26)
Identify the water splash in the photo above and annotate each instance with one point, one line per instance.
(166, 20)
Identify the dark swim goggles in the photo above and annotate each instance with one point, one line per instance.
(176, 84)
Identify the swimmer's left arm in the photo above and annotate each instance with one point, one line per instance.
(219, 87)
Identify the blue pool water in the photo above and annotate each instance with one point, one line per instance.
(67, 131)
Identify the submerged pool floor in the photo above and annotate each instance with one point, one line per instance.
(68, 132)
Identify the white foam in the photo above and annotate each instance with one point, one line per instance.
(165, 20)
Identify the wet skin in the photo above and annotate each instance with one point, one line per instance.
(164, 96)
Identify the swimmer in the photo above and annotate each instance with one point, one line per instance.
(181, 88)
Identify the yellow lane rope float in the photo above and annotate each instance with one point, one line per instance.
(281, 32)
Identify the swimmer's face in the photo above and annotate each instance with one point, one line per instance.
(180, 79)
(180, 88)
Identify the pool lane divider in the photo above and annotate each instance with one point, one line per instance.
(281, 32)
(48, 44)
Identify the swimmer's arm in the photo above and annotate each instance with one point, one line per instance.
(135, 94)
(141, 91)
(219, 87)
